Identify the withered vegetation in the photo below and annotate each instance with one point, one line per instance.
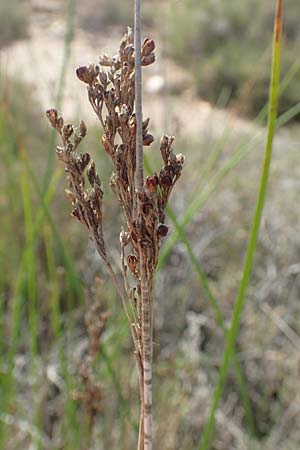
(111, 93)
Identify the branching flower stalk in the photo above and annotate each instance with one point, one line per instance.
(111, 92)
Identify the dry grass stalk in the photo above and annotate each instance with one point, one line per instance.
(111, 92)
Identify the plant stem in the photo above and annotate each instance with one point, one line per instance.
(146, 298)
(138, 96)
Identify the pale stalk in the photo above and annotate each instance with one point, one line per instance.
(146, 401)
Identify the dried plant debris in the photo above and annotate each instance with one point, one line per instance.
(89, 393)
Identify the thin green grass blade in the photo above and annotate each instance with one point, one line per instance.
(71, 420)
(5, 377)
(16, 302)
(220, 321)
(216, 307)
(240, 300)
(69, 35)
(30, 270)
(125, 411)
(75, 285)
(288, 116)
(211, 162)
(199, 201)
(289, 77)
(239, 152)
(53, 301)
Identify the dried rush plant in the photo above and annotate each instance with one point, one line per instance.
(111, 92)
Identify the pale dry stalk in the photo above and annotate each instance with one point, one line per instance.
(111, 92)
(145, 441)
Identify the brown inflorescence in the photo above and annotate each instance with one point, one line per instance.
(111, 92)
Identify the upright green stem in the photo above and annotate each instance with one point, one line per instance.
(240, 300)
(69, 35)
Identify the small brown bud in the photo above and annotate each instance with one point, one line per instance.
(106, 144)
(147, 60)
(60, 152)
(82, 128)
(132, 125)
(152, 183)
(132, 263)
(148, 139)
(164, 141)
(146, 124)
(162, 230)
(123, 114)
(60, 123)
(70, 195)
(68, 131)
(75, 213)
(105, 60)
(91, 173)
(129, 35)
(146, 208)
(85, 159)
(128, 50)
(83, 73)
(124, 238)
(52, 116)
(148, 47)
(165, 181)
(103, 78)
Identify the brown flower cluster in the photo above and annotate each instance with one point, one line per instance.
(111, 92)
(86, 203)
(110, 87)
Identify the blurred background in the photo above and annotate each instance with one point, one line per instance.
(208, 87)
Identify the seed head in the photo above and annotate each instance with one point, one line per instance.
(162, 230)
(152, 183)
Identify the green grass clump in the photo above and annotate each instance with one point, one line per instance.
(226, 46)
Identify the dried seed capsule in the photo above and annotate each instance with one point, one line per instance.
(124, 238)
(129, 35)
(85, 159)
(82, 129)
(146, 124)
(60, 123)
(52, 116)
(132, 263)
(91, 173)
(147, 60)
(84, 75)
(180, 159)
(75, 213)
(103, 78)
(105, 60)
(148, 139)
(165, 180)
(148, 47)
(162, 230)
(68, 131)
(128, 50)
(152, 183)
(146, 208)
